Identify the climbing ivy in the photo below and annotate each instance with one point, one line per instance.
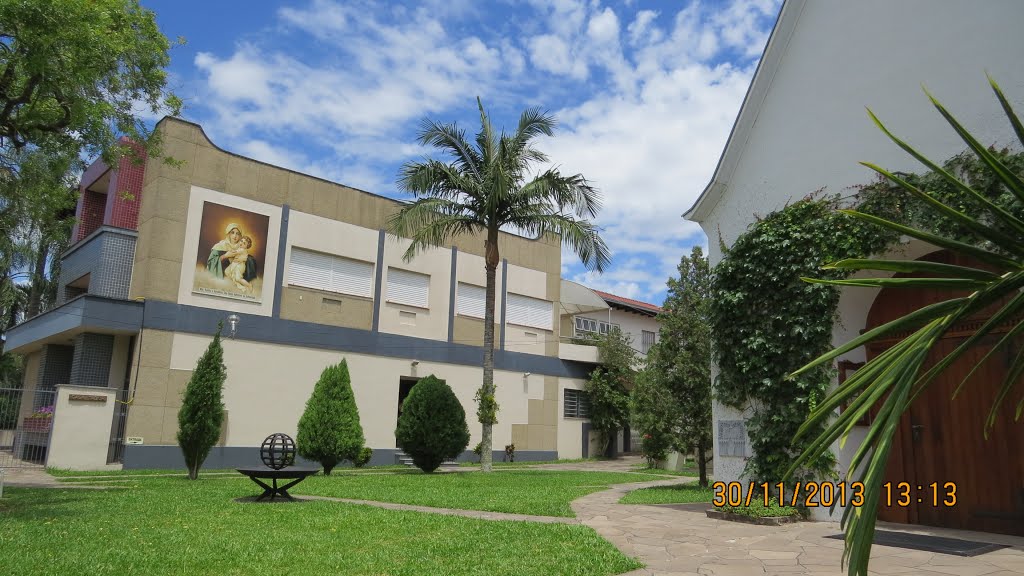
(767, 323)
(888, 200)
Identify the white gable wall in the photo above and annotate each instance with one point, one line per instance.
(812, 128)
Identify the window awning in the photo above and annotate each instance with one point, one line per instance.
(578, 299)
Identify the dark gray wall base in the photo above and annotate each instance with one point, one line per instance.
(196, 320)
(169, 457)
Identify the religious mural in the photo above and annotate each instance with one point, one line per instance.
(231, 256)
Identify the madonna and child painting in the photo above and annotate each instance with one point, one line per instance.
(232, 253)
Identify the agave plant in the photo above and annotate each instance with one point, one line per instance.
(889, 383)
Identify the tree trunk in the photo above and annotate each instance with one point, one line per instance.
(487, 388)
(702, 463)
(36, 289)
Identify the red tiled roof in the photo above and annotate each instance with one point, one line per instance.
(629, 302)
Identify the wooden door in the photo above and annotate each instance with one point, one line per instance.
(940, 439)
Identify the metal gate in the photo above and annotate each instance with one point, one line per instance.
(26, 418)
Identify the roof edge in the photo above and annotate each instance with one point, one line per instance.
(213, 145)
(757, 91)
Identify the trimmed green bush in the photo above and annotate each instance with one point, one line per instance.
(364, 457)
(432, 426)
(329, 430)
(202, 408)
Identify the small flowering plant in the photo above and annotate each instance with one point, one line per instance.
(42, 413)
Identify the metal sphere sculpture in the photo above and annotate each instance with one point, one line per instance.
(278, 451)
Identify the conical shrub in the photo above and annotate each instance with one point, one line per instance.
(329, 430)
(432, 427)
(202, 408)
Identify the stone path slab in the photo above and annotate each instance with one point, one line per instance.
(683, 543)
(478, 514)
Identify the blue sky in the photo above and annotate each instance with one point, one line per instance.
(645, 94)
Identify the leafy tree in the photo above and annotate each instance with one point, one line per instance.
(683, 358)
(432, 427)
(329, 430)
(654, 413)
(889, 383)
(74, 76)
(609, 384)
(481, 190)
(37, 207)
(202, 409)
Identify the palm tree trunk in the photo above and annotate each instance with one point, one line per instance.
(487, 417)
(702, 463)
(35, 295)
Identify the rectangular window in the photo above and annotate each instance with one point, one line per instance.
(330, 273)
(409, 288)
(526, 311)
(470, 300)
(587, 327)
(577, 404)
(646, 341)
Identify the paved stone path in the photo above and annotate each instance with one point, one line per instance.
(481, 515)
(680, 543)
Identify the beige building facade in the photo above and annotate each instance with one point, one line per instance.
(305, 268)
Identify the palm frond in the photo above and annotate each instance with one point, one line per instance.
(890, 382)
(453, 139)
(973, 194)
(1012, 181)
(982, 230)
(1018, 127)
(437, 179)
(993, 258)
(580, 236)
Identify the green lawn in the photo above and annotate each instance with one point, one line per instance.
(521, 491)
(675, 494)
(174, 526)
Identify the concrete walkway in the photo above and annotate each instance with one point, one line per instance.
(680, 543)
(478, 514)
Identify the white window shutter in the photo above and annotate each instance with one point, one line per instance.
(525, 311)
(352, 277)
(309, 269)
(471, 300)
(330, 273)
(408, 288)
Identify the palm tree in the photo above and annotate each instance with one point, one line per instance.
(487, 187)
(890, 382)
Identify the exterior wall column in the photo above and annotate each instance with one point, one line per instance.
(91, 361)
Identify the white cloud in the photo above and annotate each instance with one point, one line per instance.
(638, 28)
(551, 54)
(644, 111)
(266, 152)
(604, 27)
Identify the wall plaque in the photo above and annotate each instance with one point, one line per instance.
(732, 438)
(87, 398)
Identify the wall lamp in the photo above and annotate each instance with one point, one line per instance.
(233, 321)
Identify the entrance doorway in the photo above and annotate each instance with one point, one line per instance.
(940, 439)
(405, 384)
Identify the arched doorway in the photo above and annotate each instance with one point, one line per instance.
(940, 440)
